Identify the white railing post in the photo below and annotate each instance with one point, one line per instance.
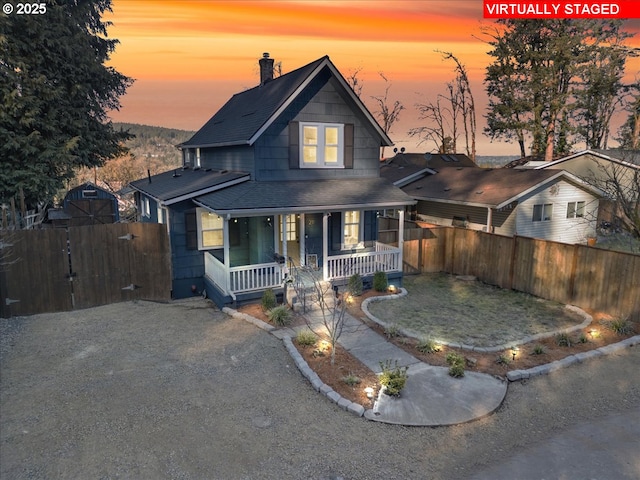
(325, 246)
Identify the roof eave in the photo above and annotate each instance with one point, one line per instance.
(248, 212)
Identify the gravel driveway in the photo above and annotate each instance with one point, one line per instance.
(149, 391)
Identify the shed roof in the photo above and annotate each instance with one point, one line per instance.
(180, 184)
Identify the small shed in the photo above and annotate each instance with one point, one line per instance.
(89, 204)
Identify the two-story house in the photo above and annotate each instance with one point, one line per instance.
(287, 172)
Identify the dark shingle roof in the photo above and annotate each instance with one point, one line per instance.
(246, 112)
(480, 186)
(308, 195)
(176, 184)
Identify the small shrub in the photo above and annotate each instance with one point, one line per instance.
(426, 345)
(268, 300)
(380, 282)
(306, 338)
(582, 338)
(563, 340)
(503, 360)
(456, 371)
(453, 358)
(538, 350)
(355, 285)
(620, 326)
(393, 378)
(351, 380)
(280, 316)
(392, 331)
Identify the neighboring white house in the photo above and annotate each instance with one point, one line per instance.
(547, 204)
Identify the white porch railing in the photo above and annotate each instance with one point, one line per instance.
(384, 258)
(245, 278)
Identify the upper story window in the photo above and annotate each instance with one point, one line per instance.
(197, 163)
(542, 212)
(322, 145)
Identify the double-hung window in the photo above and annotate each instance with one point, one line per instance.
(575, 209)
(351, 229)
(322, 145)
(210, 229)
(542, 212)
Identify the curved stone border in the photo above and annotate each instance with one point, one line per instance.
(516, 375)
(610, 349)
(300, 362)
(497, 348)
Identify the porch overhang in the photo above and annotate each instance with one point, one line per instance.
(309, 196)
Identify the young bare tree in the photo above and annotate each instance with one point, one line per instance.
(324, 305)
(354, 81)
(387, 112)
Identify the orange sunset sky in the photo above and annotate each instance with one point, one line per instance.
(189, 57)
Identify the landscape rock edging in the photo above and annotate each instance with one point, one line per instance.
(306, 371)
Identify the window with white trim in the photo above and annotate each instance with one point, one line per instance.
(197, 163)
(145, 207)
(291, 228)
(210, 229)
(575, 209)
(321, 145)
(352, 229)
(542, 212)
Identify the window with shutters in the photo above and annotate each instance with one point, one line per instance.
(321, 145)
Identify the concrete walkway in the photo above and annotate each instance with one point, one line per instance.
(431, 397)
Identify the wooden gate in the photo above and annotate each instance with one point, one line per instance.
(81, 267)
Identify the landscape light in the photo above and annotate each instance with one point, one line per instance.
(514, 351)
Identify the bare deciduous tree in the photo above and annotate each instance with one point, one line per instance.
(387, 112)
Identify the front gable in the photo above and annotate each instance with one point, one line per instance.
(263, 130)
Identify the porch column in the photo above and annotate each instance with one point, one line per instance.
(489, 219)
(227, 260)
(283, 222)
(302, 238)
(325, 245)
(401, 236)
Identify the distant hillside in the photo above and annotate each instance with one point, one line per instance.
(157, 143)
(153, 150)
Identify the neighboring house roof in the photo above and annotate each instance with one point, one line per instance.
(181, 184)
(404, 168)
(305, 196)
(248, 114)
(523, 162)
(482, 187)
(630, 159)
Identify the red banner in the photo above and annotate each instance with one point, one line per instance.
(561, 9)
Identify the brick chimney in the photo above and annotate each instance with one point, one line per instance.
(266, 68)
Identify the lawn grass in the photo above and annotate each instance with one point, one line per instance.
(445, 308)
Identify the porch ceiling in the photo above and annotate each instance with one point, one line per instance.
(305, 196)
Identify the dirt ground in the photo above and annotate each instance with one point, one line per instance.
(143, 390)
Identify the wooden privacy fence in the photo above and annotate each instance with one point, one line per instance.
(588, 277)
(79, 267)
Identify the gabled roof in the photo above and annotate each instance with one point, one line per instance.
(485, 187)
(248, 114)
(305, 196)
(181, 184)
(634, 158)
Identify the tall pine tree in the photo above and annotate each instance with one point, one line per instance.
(55, 92)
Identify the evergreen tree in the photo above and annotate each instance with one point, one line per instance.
(56, 91)
(542, 83)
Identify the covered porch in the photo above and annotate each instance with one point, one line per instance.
(268, 248)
